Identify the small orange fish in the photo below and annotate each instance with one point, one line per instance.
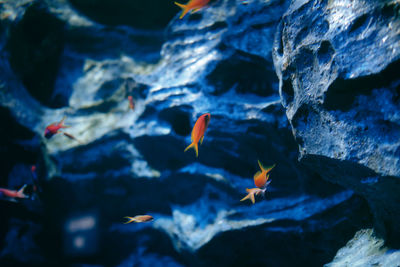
(198, 131)
(261, 177)
(194, 5)
(139, 219)
(131, 102)
(13, 193)
(261, 180)
(54, 128)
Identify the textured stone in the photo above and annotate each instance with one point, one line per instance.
(132, 162)
(338, 63)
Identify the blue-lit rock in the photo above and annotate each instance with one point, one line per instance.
(366, 249)
(338, 64)
(132, 162)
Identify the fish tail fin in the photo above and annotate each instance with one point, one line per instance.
(195, 147)
(265, 169)
(21, 191)
(130, 219)
(184, 9)
(246, 197)
(249, 196)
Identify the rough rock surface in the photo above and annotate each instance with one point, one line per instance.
(132, 162)
(365, 249)
(338, 64)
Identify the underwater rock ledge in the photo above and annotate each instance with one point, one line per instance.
(338, 62)
(131, 162)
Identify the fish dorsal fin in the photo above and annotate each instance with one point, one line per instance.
(62, 120)
(201, 140)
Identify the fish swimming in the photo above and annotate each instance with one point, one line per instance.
(261, 180)
(261, 177)
(131, 102)
(54, 128)
(139, 219)
(192, 5)
(198, 131)
(70, 136)
(14, 193)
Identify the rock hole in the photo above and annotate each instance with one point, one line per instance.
(359, 24)
(248, 73)
(342, 93)
(325, 52)
(35, 46)
(287, 92)
(178, 118)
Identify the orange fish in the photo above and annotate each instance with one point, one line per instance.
(261, 181)
(198, 131)
(194, 5)
(54, 128)
(13, 193)
(261, 177)
(131, 102)
(139, 219)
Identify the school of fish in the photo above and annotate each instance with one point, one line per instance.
(261, 178)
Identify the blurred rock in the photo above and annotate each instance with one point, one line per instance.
(365, 249)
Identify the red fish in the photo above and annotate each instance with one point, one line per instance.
(194, 5)
(54, 128)
(131, 102)
(261, 180)
(198, 131)
(139, 219)
(14, 193)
